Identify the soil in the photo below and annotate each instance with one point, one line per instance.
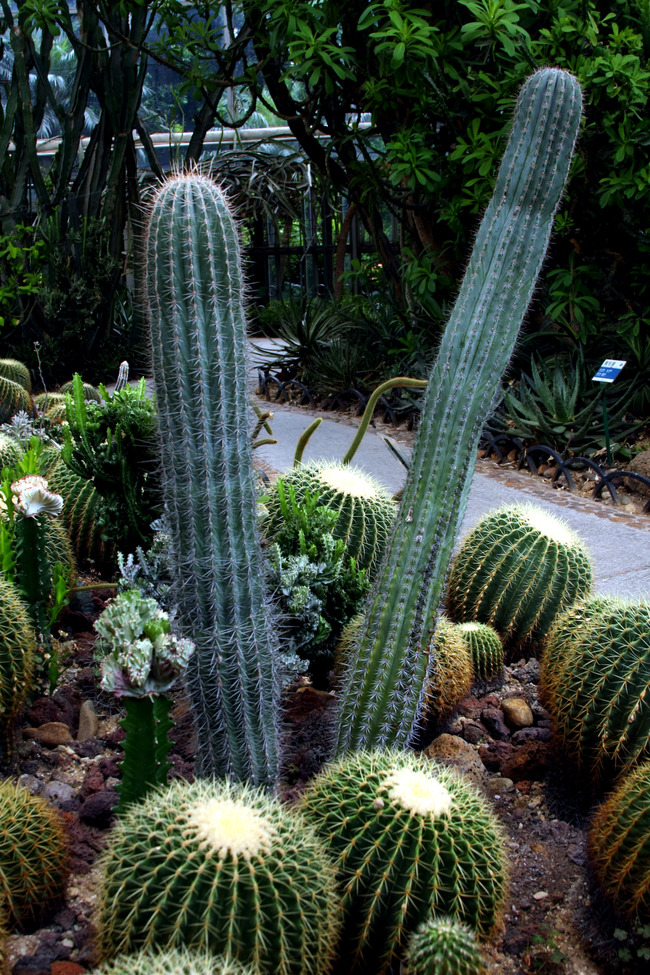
(555, 920)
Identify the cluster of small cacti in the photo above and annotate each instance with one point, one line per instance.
(365, 511)
(220, 867)
(174, 961)
(596, 684)
(33, 853)
(444, 946)
(409, 839)
(17, 656)
(451, 672)
(517, 570)
(485, 648)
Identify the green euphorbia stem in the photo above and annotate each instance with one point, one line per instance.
(147, 725)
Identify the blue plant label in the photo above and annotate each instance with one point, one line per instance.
(609, 370)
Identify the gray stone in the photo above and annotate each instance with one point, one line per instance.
(517, 712)
(639, 465)
(88, 721)
(500, 784)
(58, 791)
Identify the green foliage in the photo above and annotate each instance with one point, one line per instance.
(180, 961)
(17, 657)
(485, 647)
(409, 839)
(444, 946)
(516, 570)
(618, 844)
(599, 700)
(266, 892)
(149, 572)
(113, 444)
(313, 578)
(33, 853)
(21, 272)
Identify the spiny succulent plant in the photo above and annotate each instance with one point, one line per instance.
(485, 648)
(365, 510)
(83, 508)
(91, 393)
(410, 839)
(221, 867)
(451, 672)
(17, 655)
(516, 570)
(13, 397)
(17, 372)
(174, 961)
(444, 946)
(618, 844)
(597, 685)
(46, 402)
(10, 450)
(33, 853)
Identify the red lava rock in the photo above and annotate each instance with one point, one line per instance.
(489, 701)
(98, 808)
(494, 754)
(44, 710)
(493, 720)
(529, 761)
(469, 706)
(531, 734)
(67, 968)
(32, 965)
(93, 782)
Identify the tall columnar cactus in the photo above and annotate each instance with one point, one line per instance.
(174, 961)
(516, 570)
(198, 338)
(485, 648)
(598, 691)
(384, 684)
(33, 853)
(618, 844)
(221, 867)
(410, 839)
(444, 946)
(365, 511)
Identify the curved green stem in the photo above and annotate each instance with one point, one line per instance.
(304, 440)
(371, 405)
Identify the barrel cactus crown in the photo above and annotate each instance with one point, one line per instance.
(618, 844)
(16, 372)
(17, 655)
(13, 398)
(410, 839)
(597, 686)
(10, 450)
(365, 510)
(485, 648)
(33, 853)
(451, 673)
(219, 867)
(174, 961)
(444, 946)
(516, 570)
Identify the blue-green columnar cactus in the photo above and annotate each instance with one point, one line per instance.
(618, 844)
(444, 946)
(221, 867)
(485, 648)
(516, 570)
(174, 961)
(596, 685)
(383, 689)
(365, 511)
(410, 839)
(198, 340)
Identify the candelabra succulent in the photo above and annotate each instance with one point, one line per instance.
(410, 839)
(222, 867)
(383, 689)
(199, 354)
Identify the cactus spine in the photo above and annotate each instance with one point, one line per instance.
(410, 839)
(516, 570)
(444, 946)
(174, 961)
(383, 688)
(16, 372)
(485, 648)
(199, 364)
(17, 657)
(451, 672)
(618, 843)
(221, 867)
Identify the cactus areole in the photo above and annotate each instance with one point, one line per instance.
(382, 691)
(198, 343)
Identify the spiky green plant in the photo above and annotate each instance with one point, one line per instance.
(198, 341)
(13, 397)
(17, 372)
(220, 867)
(365, 511)
(17, 657)
(383, 688)
(451, 673)
(10, 450)
(48, 402)
(598, 688)
(410, 839)
(618, 844)
(174, 961)
(90, 393)
(444, 946)
(33, 853)
(83, 509)
(485, 648)
(516, 570)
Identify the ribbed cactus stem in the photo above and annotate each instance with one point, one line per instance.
(383, 689)
(198, 334)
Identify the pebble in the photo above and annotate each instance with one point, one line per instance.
(540, 895)
(517, 712)
(88, 721)
(58, 791)
(50, 734)
(32, 783)
(500, 784)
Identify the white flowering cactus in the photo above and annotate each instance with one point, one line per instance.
(32, 498)
(142, 657)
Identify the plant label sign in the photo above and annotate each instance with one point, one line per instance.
(609, 371)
